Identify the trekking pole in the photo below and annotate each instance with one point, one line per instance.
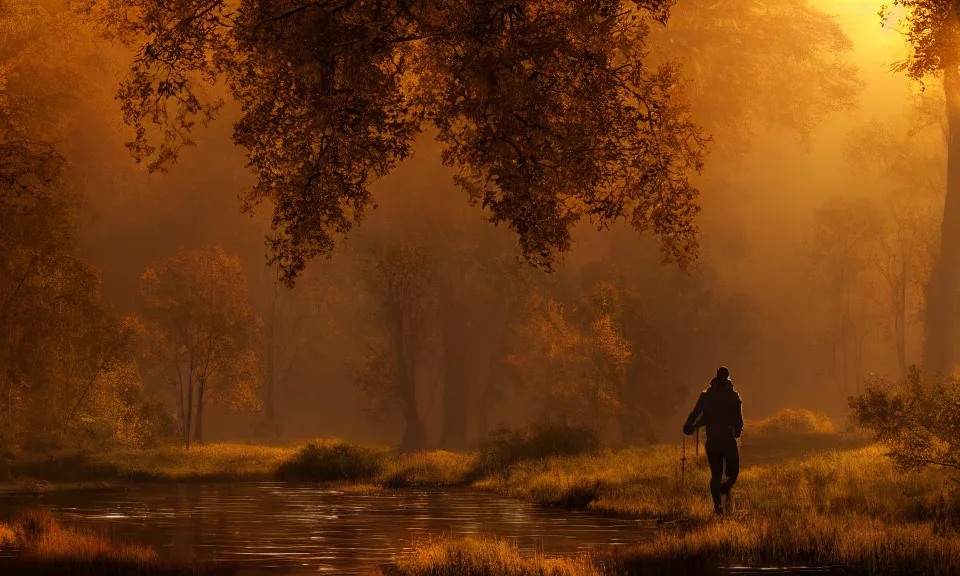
(683, 460)
(696, 438)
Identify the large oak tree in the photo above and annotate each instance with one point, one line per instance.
(548, 110)
(932, 28)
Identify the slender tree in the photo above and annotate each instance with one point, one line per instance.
(842, 248)
(202, 333)
(399, 276)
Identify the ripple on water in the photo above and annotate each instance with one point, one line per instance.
(290, 529)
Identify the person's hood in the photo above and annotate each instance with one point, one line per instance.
(721, 383)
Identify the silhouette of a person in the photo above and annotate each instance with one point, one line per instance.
(719, 409)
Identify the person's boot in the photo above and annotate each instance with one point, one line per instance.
(718, 510)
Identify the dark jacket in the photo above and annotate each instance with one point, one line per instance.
(719, 409)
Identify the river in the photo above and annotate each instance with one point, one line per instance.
(275, 528)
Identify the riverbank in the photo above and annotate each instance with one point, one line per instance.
(805, 496)
(323, 460)
(814, 499)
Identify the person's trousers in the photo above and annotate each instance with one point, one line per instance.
(723, 456)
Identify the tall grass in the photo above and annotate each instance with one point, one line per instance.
(45, 547)
(861, 543)
(473, 556)
(803, 498)
(793, 421)
(208, 462)
(436, 468)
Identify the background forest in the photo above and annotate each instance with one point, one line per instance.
(138, 307)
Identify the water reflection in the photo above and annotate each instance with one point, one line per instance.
(273, 527)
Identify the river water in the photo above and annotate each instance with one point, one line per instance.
(274, 528)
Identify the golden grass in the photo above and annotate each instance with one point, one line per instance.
(44, 546)
(645, 482)
(357, 488)
(8, 538)
(793, 421)
(322, 460)
(815, 499)
(208, 461)
(868, 544)
(474, 556)
(439, 468)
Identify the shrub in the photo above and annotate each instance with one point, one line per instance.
(503, 447)
(334, 460)
(793, 421)
(918, 420)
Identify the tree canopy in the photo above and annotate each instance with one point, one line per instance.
(932, 29)
(548, 111)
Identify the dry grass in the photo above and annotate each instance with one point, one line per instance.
(645, 482)
(860, 542)
(357, 488)
(321, 460)
(809, 498)
(45, 547)
(437, 468)
(8, 539)
(208, 461)
(473, 556)
(792, 421)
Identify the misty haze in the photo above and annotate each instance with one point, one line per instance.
(411, 288)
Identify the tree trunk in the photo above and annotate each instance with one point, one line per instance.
(456, 386)
(189, 406)
(901, 323)
(269, 427)
(414, 435)
(941, 292)
(198, 432)
(484, 406)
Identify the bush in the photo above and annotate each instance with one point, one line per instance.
(918, 420)
(793, 421)
(334, 460)
(503, 447)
